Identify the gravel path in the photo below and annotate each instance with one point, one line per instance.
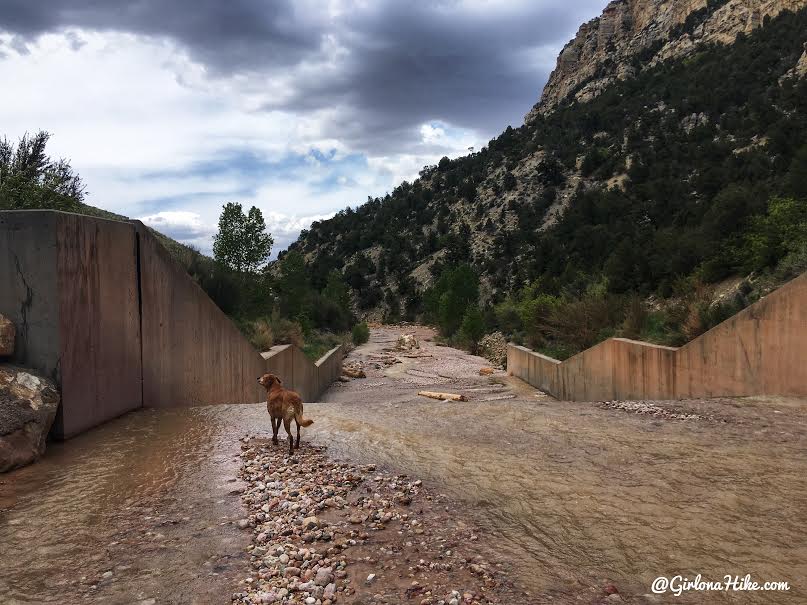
(325, 532)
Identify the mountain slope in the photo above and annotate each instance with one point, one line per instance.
(660, 174)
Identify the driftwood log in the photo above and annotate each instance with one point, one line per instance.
(443, 396)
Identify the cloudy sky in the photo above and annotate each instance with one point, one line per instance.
(169, 109)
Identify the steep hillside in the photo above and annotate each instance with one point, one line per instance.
(660, 175)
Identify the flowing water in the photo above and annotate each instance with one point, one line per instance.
(145, 497)
(572, 495)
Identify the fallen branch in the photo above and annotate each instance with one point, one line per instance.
(443, 396)
(353, 373)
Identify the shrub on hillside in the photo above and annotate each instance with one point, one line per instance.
(265, 332)
(262, 337)
(585, 322)
(360, 333)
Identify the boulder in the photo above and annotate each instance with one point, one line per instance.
(28, 404)
(407, 342)
(7, 334)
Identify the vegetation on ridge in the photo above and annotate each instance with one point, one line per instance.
(616, 216)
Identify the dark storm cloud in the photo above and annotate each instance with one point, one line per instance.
(385, 68)
(431, 61)
(227, 36)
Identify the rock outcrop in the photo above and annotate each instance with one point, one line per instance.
(800, 69)
(633, 34)
(28, 405)
(7, 334)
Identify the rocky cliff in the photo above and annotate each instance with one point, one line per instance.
(632, 35)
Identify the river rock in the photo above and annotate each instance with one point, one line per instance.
(407, 342)
(7, 333)
(324, 576)
(28, 405)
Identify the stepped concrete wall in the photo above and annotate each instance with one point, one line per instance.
(192, 353)
(299, 374)
(762, 350)
(103, 308)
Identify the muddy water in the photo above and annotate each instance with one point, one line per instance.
(145, 497)
(572, 495)
(576, 494)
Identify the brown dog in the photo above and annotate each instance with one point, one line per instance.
(284, 405)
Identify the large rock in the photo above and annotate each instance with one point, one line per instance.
(28, 405)
(7, 333)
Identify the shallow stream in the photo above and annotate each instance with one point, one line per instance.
(572, 495)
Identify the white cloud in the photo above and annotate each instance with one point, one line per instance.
(182, 225)
(135, 131)
(160, 125)
(431, 133)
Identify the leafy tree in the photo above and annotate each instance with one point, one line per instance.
(534, 309)
(293, 287)
(242, 243)
(472, 328)
(29, 179)
(336, 290)
(781, 231)
(331, 308)
(447, 300)
(507, 316)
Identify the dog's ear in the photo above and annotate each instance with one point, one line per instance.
(278, 380)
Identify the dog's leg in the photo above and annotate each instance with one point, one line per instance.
(275, 429)
(298, 434)
(287, 426)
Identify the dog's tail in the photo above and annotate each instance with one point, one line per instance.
(301, 420)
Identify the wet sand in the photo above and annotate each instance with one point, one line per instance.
(571, 497)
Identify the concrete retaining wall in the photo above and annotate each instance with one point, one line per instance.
(192, 353)
(103, 308)
(299, 374)
(760, 351)
(69, 284)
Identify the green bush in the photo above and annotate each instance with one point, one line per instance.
(447, 301)
(781, 231)
(507, 316)
(360, 334)
(319, 343)
(472, 328)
